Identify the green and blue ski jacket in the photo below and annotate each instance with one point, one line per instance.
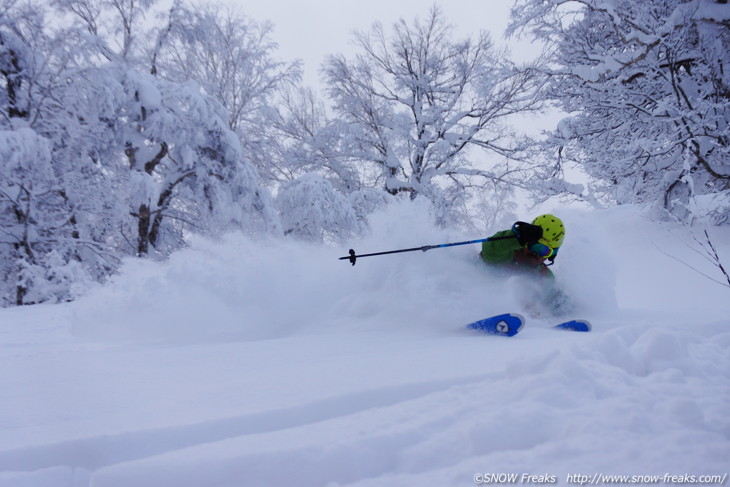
(511, 254)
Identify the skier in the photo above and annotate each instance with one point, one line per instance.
(534, 245)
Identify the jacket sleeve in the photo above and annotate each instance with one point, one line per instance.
(499, 252)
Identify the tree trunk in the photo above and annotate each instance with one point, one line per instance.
(143, 231)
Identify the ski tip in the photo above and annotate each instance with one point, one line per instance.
(517, 324)
(575, 325)
(508, 324)
(520, 318)
(522, 321)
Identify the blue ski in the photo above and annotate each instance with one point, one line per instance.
(574, 325)
(508, 324)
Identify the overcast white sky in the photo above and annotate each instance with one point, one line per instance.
(311, 29)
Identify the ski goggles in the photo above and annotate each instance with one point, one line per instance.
(542, 250)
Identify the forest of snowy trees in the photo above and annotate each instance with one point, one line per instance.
(125, 128)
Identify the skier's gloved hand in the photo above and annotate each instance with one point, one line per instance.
(527, 233)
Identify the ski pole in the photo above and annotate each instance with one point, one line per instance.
(353, 256)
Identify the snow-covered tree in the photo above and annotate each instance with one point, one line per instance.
(29, 199)
(99, 160)
(413, 104)
(184, 168)
(647, 86)
(312, 209)
(179, 165)
(232, 58)
(305, 145)
(44, 253)
(114, 26)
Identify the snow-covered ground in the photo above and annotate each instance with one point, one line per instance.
(248, 362)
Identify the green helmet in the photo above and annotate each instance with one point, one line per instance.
(553, 230)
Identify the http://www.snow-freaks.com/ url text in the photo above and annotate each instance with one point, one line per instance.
(599, 479)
